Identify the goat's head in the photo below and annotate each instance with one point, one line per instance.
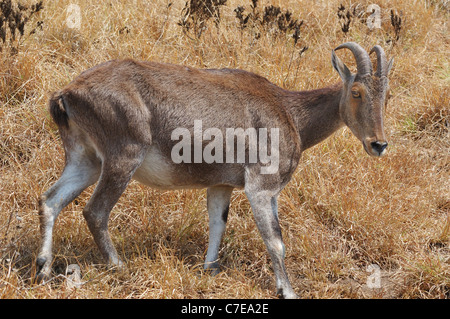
(364, 96)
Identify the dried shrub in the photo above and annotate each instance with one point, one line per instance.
(279, 24)
(13, 19)
(345, 18)
(196, 13)
(250, 20)
(348, 15)
(396, 23)
(270, 19)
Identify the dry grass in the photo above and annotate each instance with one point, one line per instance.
(341, 212)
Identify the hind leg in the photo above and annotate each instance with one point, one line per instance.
(115, 176)
(79, 173)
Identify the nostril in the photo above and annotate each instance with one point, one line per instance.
(379, 146)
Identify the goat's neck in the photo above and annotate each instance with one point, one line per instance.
(316, 113)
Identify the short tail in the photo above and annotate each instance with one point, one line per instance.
(57, 110)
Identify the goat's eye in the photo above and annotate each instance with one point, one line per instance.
(356, 94)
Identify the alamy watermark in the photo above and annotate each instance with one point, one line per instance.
(251, 143)
(73, 17)
(374, 279)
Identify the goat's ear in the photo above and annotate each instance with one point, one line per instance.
(340, 67)
(389, 66)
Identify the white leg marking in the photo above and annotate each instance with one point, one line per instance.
(218, 204)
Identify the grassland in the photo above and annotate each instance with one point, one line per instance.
(342, 211)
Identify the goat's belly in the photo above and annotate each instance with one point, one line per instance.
(155, 171)
(159, 171)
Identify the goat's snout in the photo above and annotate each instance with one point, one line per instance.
(379, 147)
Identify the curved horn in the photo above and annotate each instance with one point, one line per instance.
(381, 61)
(363, 63)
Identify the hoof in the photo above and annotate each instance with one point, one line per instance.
(116, 266)
(40, 262)
(41, 278)
(42, 270)
(288, 294)
(212, 269)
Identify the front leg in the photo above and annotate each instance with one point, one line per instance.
(116, 174)
(265, 211)
(218, 202)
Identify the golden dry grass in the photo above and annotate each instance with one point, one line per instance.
(341, 212)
